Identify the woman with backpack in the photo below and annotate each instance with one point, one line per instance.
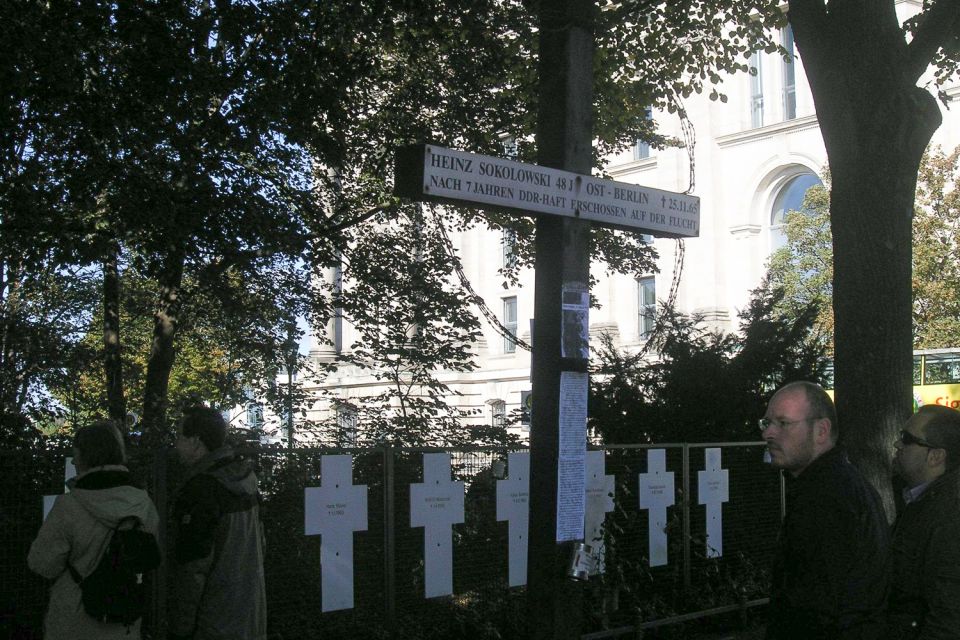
(82, 535)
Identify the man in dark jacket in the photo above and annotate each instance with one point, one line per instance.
(925, 592)
(218, 587)
(830, 572)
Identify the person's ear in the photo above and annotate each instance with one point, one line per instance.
(936, 456)
(821, 430)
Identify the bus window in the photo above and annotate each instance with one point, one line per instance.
(917, 370)
(941, 368)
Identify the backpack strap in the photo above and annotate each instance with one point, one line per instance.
(130, 522)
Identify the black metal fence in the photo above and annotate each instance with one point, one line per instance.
(389, 555)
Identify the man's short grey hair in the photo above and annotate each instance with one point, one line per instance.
(821, 404)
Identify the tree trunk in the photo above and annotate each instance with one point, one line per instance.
(165, 323)
(876, 124)
(112, 365)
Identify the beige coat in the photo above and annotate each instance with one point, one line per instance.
(77, 531)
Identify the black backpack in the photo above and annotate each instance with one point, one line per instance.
(115, 591)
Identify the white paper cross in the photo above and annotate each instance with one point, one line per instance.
(656, 494)
(713, 490)
(599, 502)
(69, 471)
(437, 505)
(334, 510)
(513, 506)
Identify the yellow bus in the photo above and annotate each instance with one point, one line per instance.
(936, 377)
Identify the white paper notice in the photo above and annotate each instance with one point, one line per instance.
(575, 330)
(657, 492)
(713, 489)
(570, 491)
(513, 506)
(573, 414)
(335, 510)
(69, 471)
(571, 472)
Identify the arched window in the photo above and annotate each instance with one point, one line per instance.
(346, 425)
(789, 198)
(498, 413)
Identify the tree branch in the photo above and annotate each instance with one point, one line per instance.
(363, 217)
(934, 28)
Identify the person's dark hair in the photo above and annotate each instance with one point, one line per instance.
(821, 404)
(99, 444)
(942, 429)
(206, 423)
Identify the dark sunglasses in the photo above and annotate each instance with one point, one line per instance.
(908, 438)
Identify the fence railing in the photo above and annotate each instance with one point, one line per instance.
(389, 555)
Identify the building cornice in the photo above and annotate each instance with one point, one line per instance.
(745, 230)
(633, 166)
(769, 131)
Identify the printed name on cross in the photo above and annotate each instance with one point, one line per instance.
(436, 504)
(713, 490)
(656, 494)
(512, 506)
(334, 510)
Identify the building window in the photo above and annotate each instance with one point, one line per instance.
(789, 76)
(641, 150)
(646, 306)
(942, 368)
(756, 90)
(510, 323)
(526, 409)
(338, 310)
(498, 413)
(510, 147)
(509, 245)
(346, 426)
(790, 198)
(254, 418)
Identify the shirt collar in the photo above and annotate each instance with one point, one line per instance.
(913, 493)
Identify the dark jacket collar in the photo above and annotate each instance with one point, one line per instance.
(822, 465)
(109, 478)
(230, 468)
(942, 483)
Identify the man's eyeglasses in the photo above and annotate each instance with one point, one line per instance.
(765, 423)
(908, 438)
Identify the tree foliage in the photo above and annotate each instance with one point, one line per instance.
(226, 150)
(411, 325)
(936, 252)
(703, 385)
(864, 69)
(804, 266)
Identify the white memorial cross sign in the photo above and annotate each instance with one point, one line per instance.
(656, 494)
(599, 502)
(69, 471)
(438, 174)
(334, 510)
(713, 489)
(513, 506)
(436, 505)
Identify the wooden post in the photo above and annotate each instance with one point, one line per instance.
(564, 139)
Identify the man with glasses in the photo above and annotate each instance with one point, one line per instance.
(925, 586)
(830, 571)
